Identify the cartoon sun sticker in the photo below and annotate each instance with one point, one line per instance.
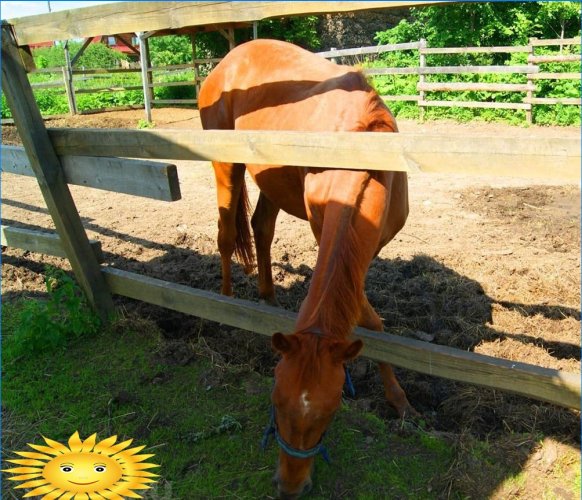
(84, 470)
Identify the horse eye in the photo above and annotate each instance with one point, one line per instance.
(66, 468)
(99, 468)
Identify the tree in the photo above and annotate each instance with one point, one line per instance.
(486, 23)
(558, 19)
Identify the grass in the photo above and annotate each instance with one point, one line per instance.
(204, 422)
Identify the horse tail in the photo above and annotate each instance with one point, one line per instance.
(243, 246)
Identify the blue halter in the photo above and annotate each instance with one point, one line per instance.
(318, 449)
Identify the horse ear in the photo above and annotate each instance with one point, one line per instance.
(346, 351)
(283, 344)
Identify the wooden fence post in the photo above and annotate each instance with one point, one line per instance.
(530, 83)
(68, 81)
(195, 65)
(421, 77)
(49, 173)
(146, 75)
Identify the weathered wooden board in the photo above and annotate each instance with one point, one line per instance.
(540, 383)
(568, 101)
(555, 76)
(499, 156)
(136, 177)
(451, 70)
(555, 41)
(476, 104)
(464, 86)
(131, 17)
(469, 50)
(554, 58)
(41, 242)
(376, 49)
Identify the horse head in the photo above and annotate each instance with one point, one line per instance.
(308, 386)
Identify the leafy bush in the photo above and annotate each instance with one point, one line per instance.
(46, 325)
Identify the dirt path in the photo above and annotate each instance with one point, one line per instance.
(486, 264)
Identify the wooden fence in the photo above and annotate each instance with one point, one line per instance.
(67, 84)
(532, 72)
(99, 158)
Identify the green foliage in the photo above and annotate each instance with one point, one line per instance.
(486, 23)
(165, 50)
(96, 55)
(301, 31)
(46, 325)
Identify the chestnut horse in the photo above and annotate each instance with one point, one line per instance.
(273, 85)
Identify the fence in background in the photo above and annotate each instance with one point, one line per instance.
(532, 72)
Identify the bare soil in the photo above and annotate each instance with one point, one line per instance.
(490, 265)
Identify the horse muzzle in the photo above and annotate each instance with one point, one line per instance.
(291, 493)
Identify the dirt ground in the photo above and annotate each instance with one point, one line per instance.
(490, 265)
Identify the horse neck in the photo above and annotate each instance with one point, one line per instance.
(347, 245)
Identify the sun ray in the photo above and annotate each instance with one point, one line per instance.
(41, 490)
(143, 473)
(25, 477)
(26, 461)
(56, 445)
(103, 446)
(22, 470)
(32, 484)
(89, 443)
(110, 495)
(75, 443)
(32, 454)
(58, 493)
(46, 449)
(121, 446)
(67, 495)
(82, 496)
(133, 458)
(131, 451)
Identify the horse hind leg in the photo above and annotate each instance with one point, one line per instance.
(263, 224)
(233, 232)
(395, 395)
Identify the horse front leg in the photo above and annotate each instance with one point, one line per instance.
(395, 395)
(229, 182)
(263, 224)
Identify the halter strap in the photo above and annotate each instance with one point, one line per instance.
(318, 449)
(271, 429)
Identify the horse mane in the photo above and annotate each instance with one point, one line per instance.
(339, 295)
(376, 116)
(339, 298)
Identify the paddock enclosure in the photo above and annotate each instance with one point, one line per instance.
(508, 205)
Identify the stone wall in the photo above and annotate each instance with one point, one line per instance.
(356, 29)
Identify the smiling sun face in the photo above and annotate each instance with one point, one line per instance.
(84, 469)
(82, 472)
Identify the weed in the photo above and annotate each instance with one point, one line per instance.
(47, 324)
(141, 124)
